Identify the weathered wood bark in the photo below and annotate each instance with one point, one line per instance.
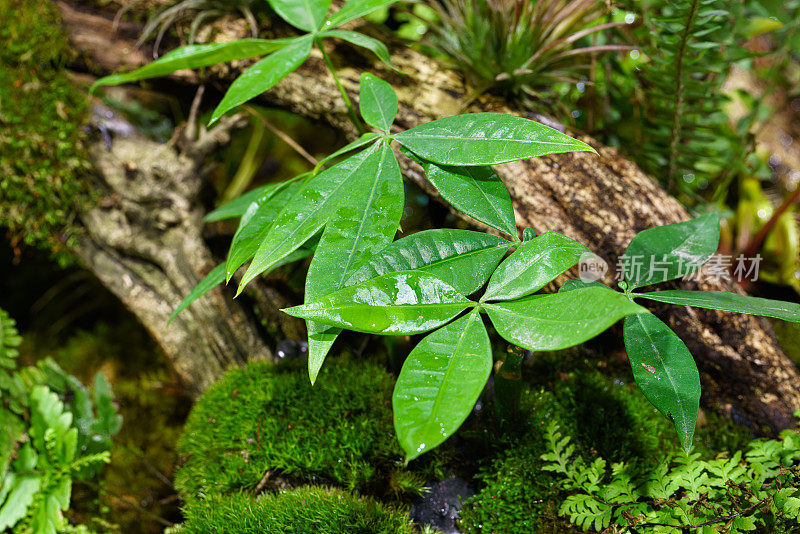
(144, 242)
(601, 201)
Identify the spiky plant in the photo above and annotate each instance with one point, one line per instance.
(522, 47)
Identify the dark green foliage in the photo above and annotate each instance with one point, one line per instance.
(267, 418)
(307, 509)
(41, 157)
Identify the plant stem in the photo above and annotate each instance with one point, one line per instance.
(679, 92)
(347, 101)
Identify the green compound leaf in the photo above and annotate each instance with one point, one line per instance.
(561, 320)
(485, 139)
(377, 102)
(462, 258)
(407, 302)
(726, 301)
(255, 224)
(672, 251)
(212, 280)
(665, 371)
(440, 381)
(476, 191)
(353, 9)
(303, 14)
(533, 265)
(305, 213)
(263, 75)
(364, 224)
(195, 57)
(359, 39)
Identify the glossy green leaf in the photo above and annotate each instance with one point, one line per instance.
(255, 225)
(306, 213)
(476, 191)
(561, 320)
(212, 280)
(362, 225)
(439, 383)
(263, 75)
(665, 371)
(377, 102)
(238, 206)
(533, 265)
(359, 39)
(303, 14)
(668, 252)
(407, 302)
(726, 301)
(353, 9)
(576, 283)
(196, 56)
(486, 139)
(462, 258)
(365, 139)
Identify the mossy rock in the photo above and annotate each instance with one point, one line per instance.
(270, 419)
(311, 509)
(42, 157)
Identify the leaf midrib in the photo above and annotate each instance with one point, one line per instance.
(665, 368)
(472, 316)
(499, 139)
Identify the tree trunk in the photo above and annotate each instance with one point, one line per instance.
(601, 201)
(144, 242)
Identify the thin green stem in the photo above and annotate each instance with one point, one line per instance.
(347, 101)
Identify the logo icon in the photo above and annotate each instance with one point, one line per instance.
(591, 267)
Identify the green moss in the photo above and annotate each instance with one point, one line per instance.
(41, 154)
(308, 509)
(269, 418)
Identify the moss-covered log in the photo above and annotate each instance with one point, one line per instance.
(601, 201)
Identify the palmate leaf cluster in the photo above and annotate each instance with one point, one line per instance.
(687, 141)
(759, 489)
(347, 216)
(45, 442)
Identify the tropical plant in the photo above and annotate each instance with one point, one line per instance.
(360, 280)
(759, 489)
(45, 441)
(523, 48)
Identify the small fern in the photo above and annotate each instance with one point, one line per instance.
(46, 443)
(738, 493)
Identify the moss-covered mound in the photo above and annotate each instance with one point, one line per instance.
(41, 113)
(314, 510)
(270, 419)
